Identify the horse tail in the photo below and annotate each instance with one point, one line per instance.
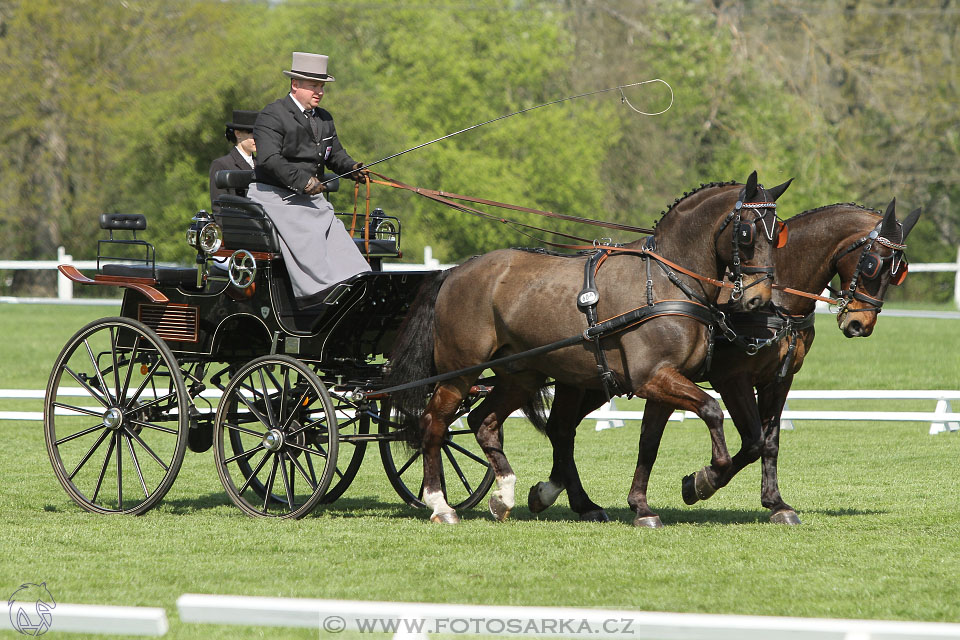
(535, 408)
(412, 358)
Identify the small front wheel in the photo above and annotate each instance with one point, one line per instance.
(276, 438)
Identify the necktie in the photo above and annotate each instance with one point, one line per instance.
(314, 125)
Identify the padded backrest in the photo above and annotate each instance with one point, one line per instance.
(233, 179)
(123, 221)
(245, 225)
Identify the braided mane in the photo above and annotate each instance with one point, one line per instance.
(709, 185)
(837, 204)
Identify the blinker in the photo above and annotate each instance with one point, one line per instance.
(870, 267)
(745, 235)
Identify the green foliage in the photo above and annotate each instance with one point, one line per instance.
(115, 105)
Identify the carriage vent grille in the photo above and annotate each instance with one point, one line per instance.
(172, 322)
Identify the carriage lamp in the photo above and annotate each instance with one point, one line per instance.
(204, 234)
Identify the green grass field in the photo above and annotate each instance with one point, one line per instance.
(880, 539)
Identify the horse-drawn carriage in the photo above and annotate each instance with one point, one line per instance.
(221, 356)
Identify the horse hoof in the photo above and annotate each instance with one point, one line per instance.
(688, 490)
(597, 515)
(498, 509)
(785, 516)
(648, 522)
(534, 502)
(448, 517)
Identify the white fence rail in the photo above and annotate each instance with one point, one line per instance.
(410, 620)
(941, 419)
(65, 286)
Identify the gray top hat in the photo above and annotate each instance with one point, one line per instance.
(308, 66)
(243, 120)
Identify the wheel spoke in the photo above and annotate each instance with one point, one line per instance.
(312, 483)
(136, 465)
(81, 410)
(96, 367)
(416, 454)
(468, 453)
(246, 454)
(132, 362)
(78, 434)
(250, 432)
(300, 402)
(83, 383)
(153, 402)
(313, 474)
(156, 427)
(259, 416)
(143, 383)
(456, 467)
(287, 485)
(119, 448)
(283, 396)
(113, 355)
(269, 487)
(103, 469)
(320, 452)
(253, 474)
(267, 401)
(96, 445)
(146, 447)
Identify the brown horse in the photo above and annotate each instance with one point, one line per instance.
(510, 301)
(865, 249)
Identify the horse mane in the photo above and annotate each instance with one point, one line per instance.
(837, 204)
(686, 194)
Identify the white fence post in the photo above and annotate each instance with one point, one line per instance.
(64, 284)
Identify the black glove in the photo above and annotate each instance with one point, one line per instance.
(360, 175)
(314, 186)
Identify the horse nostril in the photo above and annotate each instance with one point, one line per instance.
(753, 303)
(855, 328)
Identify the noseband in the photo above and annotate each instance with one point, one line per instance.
(869, 266)
(744, 234)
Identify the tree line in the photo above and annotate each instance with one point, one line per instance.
(120, 105)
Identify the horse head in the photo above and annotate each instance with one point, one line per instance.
(746, 239)
(866, 274)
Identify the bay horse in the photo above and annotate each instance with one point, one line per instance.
(511, 301)
(864, 248)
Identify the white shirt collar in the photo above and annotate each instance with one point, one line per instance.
(299, 106)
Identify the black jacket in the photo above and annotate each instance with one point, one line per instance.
(287, 152)
(231, 161)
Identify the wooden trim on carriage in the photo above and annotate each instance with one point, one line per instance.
(259, 256)
(140, 285)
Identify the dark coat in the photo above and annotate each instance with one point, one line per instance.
(287, 151)
(231, 161)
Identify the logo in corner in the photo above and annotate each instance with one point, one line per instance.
(30, 609)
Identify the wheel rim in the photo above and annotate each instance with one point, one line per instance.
(465, 473)
(281, 427)
(116, 417)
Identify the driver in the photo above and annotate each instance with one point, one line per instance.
(295, 139)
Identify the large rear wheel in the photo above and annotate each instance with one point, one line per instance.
(279, 423)
(116, 417)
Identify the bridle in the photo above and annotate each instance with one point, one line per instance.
(870, 267)
(744, 235)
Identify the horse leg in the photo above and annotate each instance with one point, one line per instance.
(771, 399)
(655, 416)
(737, 393)
(436, 418)
(486, 421)
(669, 387)
(570, 405)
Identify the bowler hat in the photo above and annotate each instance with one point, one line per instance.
(243, 120)
(308, 66)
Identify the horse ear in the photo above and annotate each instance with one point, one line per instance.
(750, 190)
(888, 228)
(778, 190)
(910, 221)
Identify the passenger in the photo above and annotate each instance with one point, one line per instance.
(241, 157)
(295, 140)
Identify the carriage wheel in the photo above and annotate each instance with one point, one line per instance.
(353, 423)
(116, 417)
(286, 438)
(465, 473)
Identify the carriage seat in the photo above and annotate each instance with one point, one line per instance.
(169, 276)
(245, 224)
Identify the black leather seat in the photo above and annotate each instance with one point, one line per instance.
(169, 276)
